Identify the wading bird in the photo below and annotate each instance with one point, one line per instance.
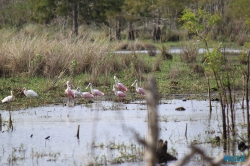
(119, 94)
(8, 98)
(119, 85)
(77, 91)
(70, 94)
(85, 95)
(95, 92)
(29, 93)
(139, 90)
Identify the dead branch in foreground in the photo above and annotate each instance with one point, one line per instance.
(195, 150)
(152, 98)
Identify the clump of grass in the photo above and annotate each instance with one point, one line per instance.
(96, 145)
(175, 73)
(190, 52)
(137, 45)
(197, 69)
(151, 52)
(242, 39)
(163, 118)
(164, 54)
(157, 64)
(243, 59)
(122, 46)
(126, 60)
(139, 67)
(151, 49)
(172, 35)
(131, 46)
(127, 153)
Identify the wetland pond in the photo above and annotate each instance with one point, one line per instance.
(107, 132)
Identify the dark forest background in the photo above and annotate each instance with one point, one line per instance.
(157, 20)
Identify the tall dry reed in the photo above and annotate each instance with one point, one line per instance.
(42, 51)
(48, 54)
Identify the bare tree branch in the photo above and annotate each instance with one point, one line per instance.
(195, 150)
(152, 98)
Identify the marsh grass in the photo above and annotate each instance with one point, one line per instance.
(135, 46)
(190, 52)
(163, 118)
(123, 153)
(45, 154)
(44, 58)
(49, 54)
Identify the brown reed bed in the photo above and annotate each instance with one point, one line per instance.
(49, 53)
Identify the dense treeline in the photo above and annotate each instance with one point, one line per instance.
(144, 19)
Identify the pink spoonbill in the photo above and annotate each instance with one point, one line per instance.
(70, 94)
(85, 95)
(119, 94)
(8, 99)
(119, 85)
(139, 90)
(95, 92)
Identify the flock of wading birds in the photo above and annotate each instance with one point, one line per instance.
(118, 88)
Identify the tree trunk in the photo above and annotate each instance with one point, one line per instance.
(243, 95)
(247, 99)
(154, 33)
(152, 98)
(231, 106)
(75, 23)
(222, 103)
(131, 35)
(224, 125)
(0, 122)
(157, 31)
(209, 94)
(110, 30)
(118, 29)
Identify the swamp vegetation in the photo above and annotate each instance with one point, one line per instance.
(32, 59)
(46, 69)
(44, 58)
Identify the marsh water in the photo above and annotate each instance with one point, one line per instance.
(176, 50)
(107, 132)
